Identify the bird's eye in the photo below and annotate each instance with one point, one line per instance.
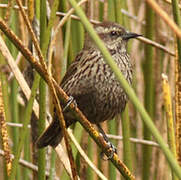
(113, 33)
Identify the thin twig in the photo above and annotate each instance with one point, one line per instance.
(135, 140)
(155, 44)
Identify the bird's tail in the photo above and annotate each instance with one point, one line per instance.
(51, 136)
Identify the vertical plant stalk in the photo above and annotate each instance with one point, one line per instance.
(127, 154)
(118, 15)
(76, 37)
(27, 155)
(42, 90)
(149, 90)
(66, 48)
(112, 129)
(78, 134)
(31, 10)
(178, 107)
(169, 117)
(112, 125)
(5, 87)
(111, 10)
(14, 92)
(90, 154)
(52, 165)
(4, 132)
(41, 127)
(169, 113)
(177, 18)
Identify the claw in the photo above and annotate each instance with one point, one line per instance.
(114, 150)
(70, 100)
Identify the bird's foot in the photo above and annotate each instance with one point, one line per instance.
(111, 146)
(70, 100)
(113, 150)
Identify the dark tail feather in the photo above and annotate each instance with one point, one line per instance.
(51, 136)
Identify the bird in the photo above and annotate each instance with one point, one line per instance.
(91, 82)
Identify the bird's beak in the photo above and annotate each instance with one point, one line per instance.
(130, 35)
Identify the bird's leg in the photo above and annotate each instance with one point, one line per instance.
(70, 100)
(114, 150)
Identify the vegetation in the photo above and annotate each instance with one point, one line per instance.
(49, 34)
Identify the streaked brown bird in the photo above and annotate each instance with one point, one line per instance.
(91, 82)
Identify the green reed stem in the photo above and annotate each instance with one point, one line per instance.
(149, 90)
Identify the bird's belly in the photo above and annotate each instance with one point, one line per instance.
(102, 101)
(110, 101)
